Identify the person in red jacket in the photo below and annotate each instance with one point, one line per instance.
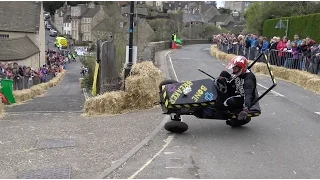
(281, 46)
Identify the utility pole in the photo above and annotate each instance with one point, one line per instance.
(129, 65)
(137, 22)
(190, 23)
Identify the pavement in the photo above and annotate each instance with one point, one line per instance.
(281, 143)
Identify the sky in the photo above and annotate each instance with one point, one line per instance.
(220, 3)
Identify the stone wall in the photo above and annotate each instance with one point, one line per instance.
(150, 50)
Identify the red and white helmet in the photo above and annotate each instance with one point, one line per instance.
(240, 62)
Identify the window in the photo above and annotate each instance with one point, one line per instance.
(4, 36)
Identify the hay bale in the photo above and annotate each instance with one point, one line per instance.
(313, 85)
(107, 103)
(141, 91)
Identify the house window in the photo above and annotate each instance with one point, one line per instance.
(4, 36)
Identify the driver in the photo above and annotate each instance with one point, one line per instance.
(242, 83)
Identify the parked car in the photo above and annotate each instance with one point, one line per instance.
(53, 34)
(53, 31)
(48, 27)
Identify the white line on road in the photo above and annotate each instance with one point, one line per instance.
(271, 90)
(174, 72)
(191, 59)
(317, 113)
(168, 141)
(166, 153)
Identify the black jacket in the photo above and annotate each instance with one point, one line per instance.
(244, 85)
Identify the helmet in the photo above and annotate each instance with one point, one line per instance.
(240, 62)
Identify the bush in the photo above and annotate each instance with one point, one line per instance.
(90, 63)
(304, 26)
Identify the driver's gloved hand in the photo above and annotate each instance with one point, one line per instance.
(243, 114)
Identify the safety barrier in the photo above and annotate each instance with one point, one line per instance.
(20, 83)
(287, 59)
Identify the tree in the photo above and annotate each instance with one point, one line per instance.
(258, 12)
(177, 19)
(52, 6)
(224, 10)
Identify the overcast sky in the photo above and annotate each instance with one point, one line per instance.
(219, 3)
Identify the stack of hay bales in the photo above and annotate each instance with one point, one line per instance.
(304, 79)
(141, 92)
(34, 91)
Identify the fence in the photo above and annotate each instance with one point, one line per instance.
(289, 59)
(27, 82)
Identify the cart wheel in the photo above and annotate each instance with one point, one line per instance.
(176, 126)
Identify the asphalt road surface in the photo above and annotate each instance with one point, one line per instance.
(283, 142)
(50, 40)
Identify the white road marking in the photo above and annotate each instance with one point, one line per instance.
(191, 59)
(271, 90)
(168, 141)
(317, 113)
(174, 72)
(166, 153)
(177, 158)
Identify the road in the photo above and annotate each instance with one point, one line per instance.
(50, 40)
(281, 143)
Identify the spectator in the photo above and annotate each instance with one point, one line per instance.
(281, 46)
(265, 44)
(297, 40)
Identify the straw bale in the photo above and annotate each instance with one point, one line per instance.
(107, 103)
(313, 85)
(141, 92)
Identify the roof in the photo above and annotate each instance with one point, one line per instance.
(194, 18)
(102, 26)
(67, 16)
(221, 17)
(22, 16)
(91, 12)
(210, 11)
(237, 29)
(17, 49)
(141, 11)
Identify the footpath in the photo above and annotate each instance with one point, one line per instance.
(47, 137)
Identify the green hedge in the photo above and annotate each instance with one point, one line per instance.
(308, 25)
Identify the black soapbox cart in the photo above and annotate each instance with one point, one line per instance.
(202, 99)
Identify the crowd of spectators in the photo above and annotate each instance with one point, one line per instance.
(302, 54)
(55, 62)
